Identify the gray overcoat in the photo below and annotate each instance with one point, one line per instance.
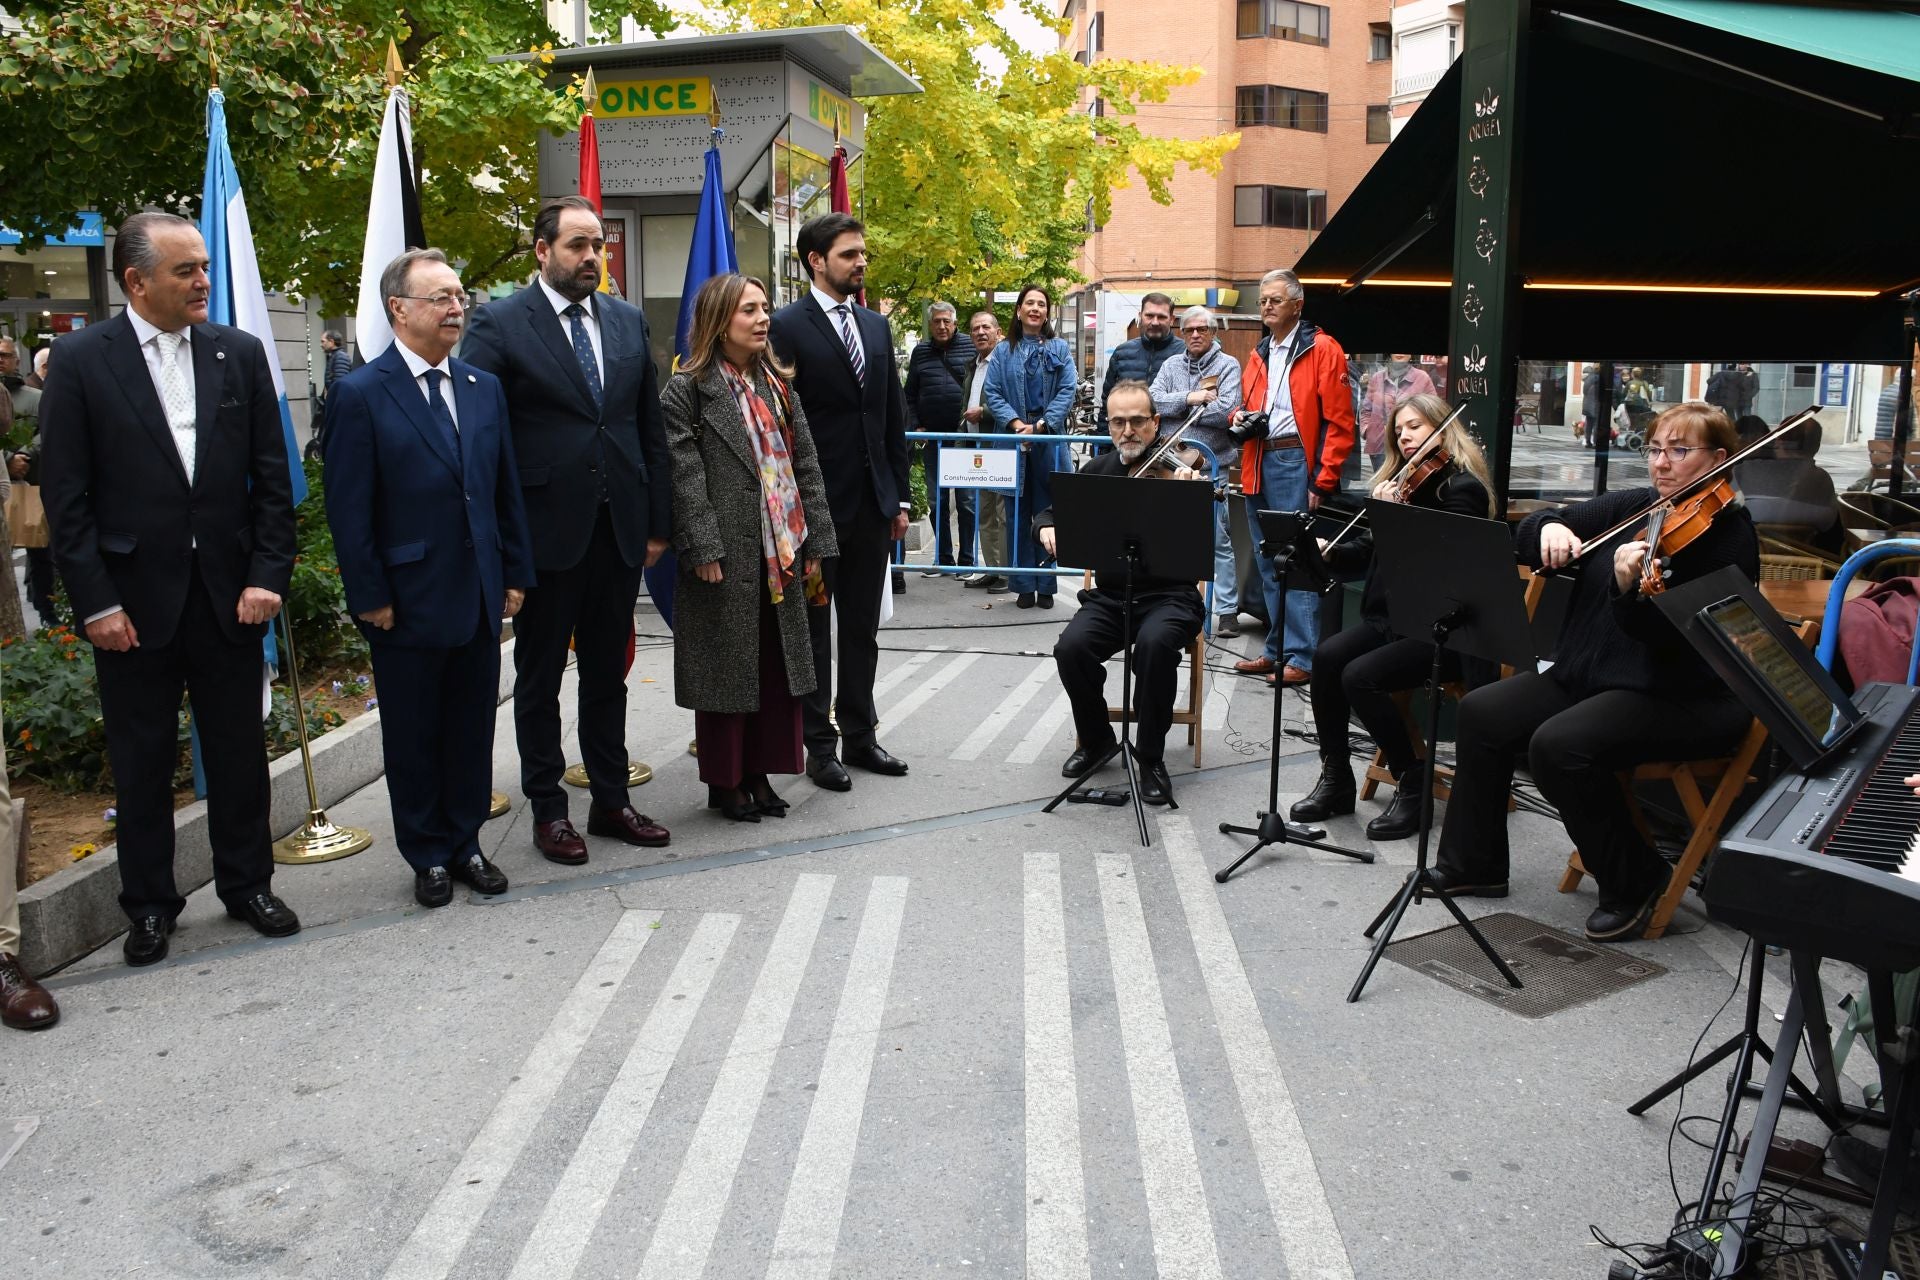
(716, 516)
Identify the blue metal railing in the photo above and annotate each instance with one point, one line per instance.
(1837, 596)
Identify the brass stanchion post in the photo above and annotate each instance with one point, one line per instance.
(316, 840)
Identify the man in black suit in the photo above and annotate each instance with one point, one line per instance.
(849, 385)
(583, 400)
(167, 487)
(424, 501)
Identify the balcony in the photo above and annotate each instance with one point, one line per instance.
(1412, 83)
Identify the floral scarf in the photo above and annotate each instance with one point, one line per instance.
(783, 522)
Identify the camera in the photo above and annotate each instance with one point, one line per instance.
(1252, 426)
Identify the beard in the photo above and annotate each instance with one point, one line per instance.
(568, 285)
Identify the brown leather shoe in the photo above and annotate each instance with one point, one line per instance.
(559, 842)
(1294, 675)
(25, 1005)
(1259, 666)
(628, 825)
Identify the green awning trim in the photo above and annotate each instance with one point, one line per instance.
(1886, 41)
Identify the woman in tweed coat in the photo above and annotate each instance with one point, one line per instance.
(750, 526)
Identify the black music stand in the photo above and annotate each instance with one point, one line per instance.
(1120, 528)
(1287, 538)
(1452, 577)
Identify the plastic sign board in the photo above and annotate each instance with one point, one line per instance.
(979, 468)
(648, 99)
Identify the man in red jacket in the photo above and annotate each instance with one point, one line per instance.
(1297, 379)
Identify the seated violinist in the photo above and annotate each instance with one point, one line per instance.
(1356, 671)
(1625, 687)
(1167, 615)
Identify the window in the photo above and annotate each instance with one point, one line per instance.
(1379, 42)
(1294, 207)
(1272, 104)
(1379, 124)
(1096, 35)
(1283, 20)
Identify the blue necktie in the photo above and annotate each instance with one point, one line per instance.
(583, 348)
(441, 414)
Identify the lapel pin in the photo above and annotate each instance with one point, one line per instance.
(219, 355)
(471, 378)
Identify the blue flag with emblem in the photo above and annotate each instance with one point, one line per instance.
(712, 251)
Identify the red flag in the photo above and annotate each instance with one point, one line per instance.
(839, 199)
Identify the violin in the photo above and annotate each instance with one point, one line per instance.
(1412, 478)
(1673, 526)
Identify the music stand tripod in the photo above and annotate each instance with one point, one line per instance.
(1119, 527)
(1451, 576)
(1286, 537)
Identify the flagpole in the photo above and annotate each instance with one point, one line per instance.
(318, 839)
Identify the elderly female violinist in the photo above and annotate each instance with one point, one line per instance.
(1431, 461)
(1625, 687)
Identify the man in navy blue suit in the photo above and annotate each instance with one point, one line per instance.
(424, 500)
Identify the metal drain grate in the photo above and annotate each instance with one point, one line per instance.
(1559, 970)
(1903, 1256)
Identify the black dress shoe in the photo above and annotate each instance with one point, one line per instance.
(1332, 795)
(267, 914)
(1024, 600)
(1045, 600)
(1615, 924)
(733, 803)
(433, 887)
(1402, 816)
(147, 940)
(1155, 786)
(899, 582)
(1444, 882)
(874, 759)
(1081, 761)
(828, 774)
(475, 871)
(765, 798)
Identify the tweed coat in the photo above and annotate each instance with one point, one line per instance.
(716, 516)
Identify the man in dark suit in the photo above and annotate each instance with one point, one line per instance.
(583, 400)
(424, 501)
(167, 487)
(849, 385)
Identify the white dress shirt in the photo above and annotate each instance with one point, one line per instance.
(976, 394)
(417, 365)
(591, 320)
(1279, 394)
(827, 304)
(184, 433)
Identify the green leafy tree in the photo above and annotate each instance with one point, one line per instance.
(985, 181)
(105, 105)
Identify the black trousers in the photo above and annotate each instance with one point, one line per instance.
(437, 709)
(1575, 746)
(1356, 673)
(140, 702)
(1163, 627)
(855, 580)
(590, 604)
(41, 583)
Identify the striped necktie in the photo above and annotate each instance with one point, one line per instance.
(853, 344)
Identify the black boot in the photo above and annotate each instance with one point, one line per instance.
(1332, 796)
(1402, 816)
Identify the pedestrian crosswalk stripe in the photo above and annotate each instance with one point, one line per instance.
(1010, 706)
(687, 1222)
(817, 1192)
(438, 1239)
(887, 683)
(1183, 1236)
(924, 692)
(1056, 1184)
(554, 1249)
(1044, 730)
(1309, 1238)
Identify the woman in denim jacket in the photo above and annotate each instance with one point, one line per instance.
(1029, 390)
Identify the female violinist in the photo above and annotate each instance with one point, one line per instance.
(1356, 671)
(1625, 687)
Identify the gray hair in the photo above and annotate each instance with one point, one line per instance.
(941, 309)
(133, 243)
(1192, 313)
(1286, 277)
(8, 345)
(42, 358)
(393, 280)
(339, 339)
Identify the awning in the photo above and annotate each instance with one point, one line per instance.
(1685, 193)
(1873, 39)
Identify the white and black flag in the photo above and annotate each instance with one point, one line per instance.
(393, 222)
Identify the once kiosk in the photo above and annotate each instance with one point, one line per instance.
(1452, 577)
(1122, 528)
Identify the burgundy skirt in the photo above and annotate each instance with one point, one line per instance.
(736, 744)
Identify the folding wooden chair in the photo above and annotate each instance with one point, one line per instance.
(1190, 714)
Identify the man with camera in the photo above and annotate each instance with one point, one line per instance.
(1295, 431)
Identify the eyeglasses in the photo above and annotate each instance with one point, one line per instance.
(1131, 424)
(1676, 452)
(1273, 302)
(1197, 328)
(440, 300)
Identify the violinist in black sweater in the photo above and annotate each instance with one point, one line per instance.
(1357, 671)
(1625, 688)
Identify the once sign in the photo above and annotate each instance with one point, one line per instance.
(640, 99)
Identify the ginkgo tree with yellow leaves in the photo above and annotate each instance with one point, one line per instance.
(983, 181)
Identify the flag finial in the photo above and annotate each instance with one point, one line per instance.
(396, 70)
(713, 108)
(590, 91)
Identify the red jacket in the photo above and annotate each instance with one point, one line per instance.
(1322, 406)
